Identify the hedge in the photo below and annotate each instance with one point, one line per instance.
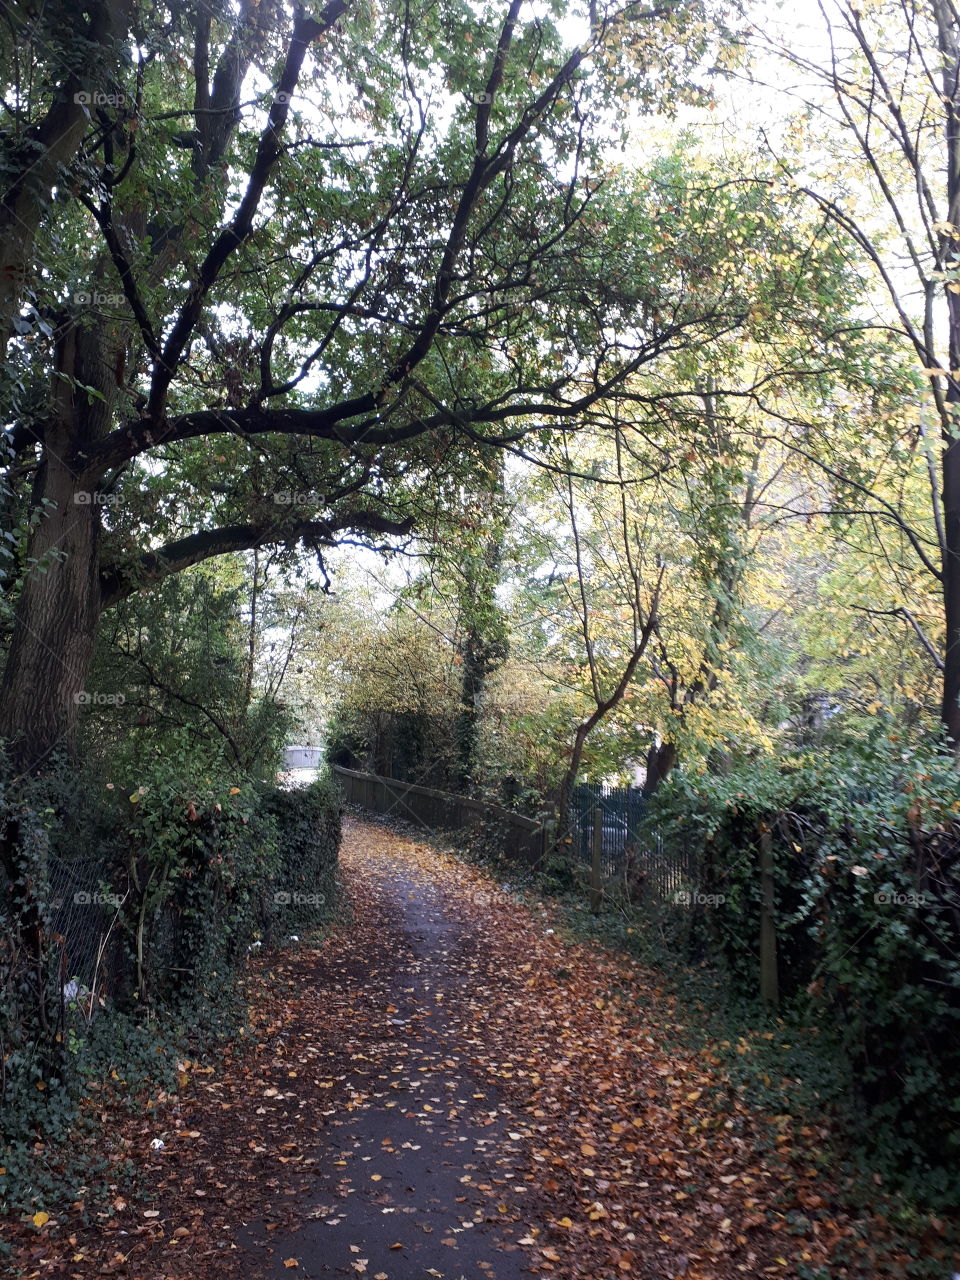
(866, 845)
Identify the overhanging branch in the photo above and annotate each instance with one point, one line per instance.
(116, 583)
(361, 420)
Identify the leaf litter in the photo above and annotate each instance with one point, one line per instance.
(446, 1032)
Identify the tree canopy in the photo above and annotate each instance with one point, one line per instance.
(511, 396)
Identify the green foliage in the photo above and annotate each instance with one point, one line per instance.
(52, 1148)
(412, 744)
(155, 886)
(198, 857)
(868, 923)
(307, 833)
(175, 666)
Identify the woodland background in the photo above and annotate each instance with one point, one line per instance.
(504, 396)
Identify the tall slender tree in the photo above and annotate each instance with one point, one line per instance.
(881, 82)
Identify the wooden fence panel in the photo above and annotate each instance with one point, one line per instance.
(667, 872)
(523, 839)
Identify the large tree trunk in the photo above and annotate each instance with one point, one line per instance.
(55, 627)
(55, 624)
(661, 759)
(59, 604)
(44, 678)
(56, 619)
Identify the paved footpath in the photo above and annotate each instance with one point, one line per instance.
(448, 1087)
(414, 1180)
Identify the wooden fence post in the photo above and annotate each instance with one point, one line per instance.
(596, 882)
(769, 986)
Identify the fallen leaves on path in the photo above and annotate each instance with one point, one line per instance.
(607, 1155)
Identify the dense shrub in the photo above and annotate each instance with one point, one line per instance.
(198, 853)
(307, 833)
(412, 745)
(150, 891)
(865, 845)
